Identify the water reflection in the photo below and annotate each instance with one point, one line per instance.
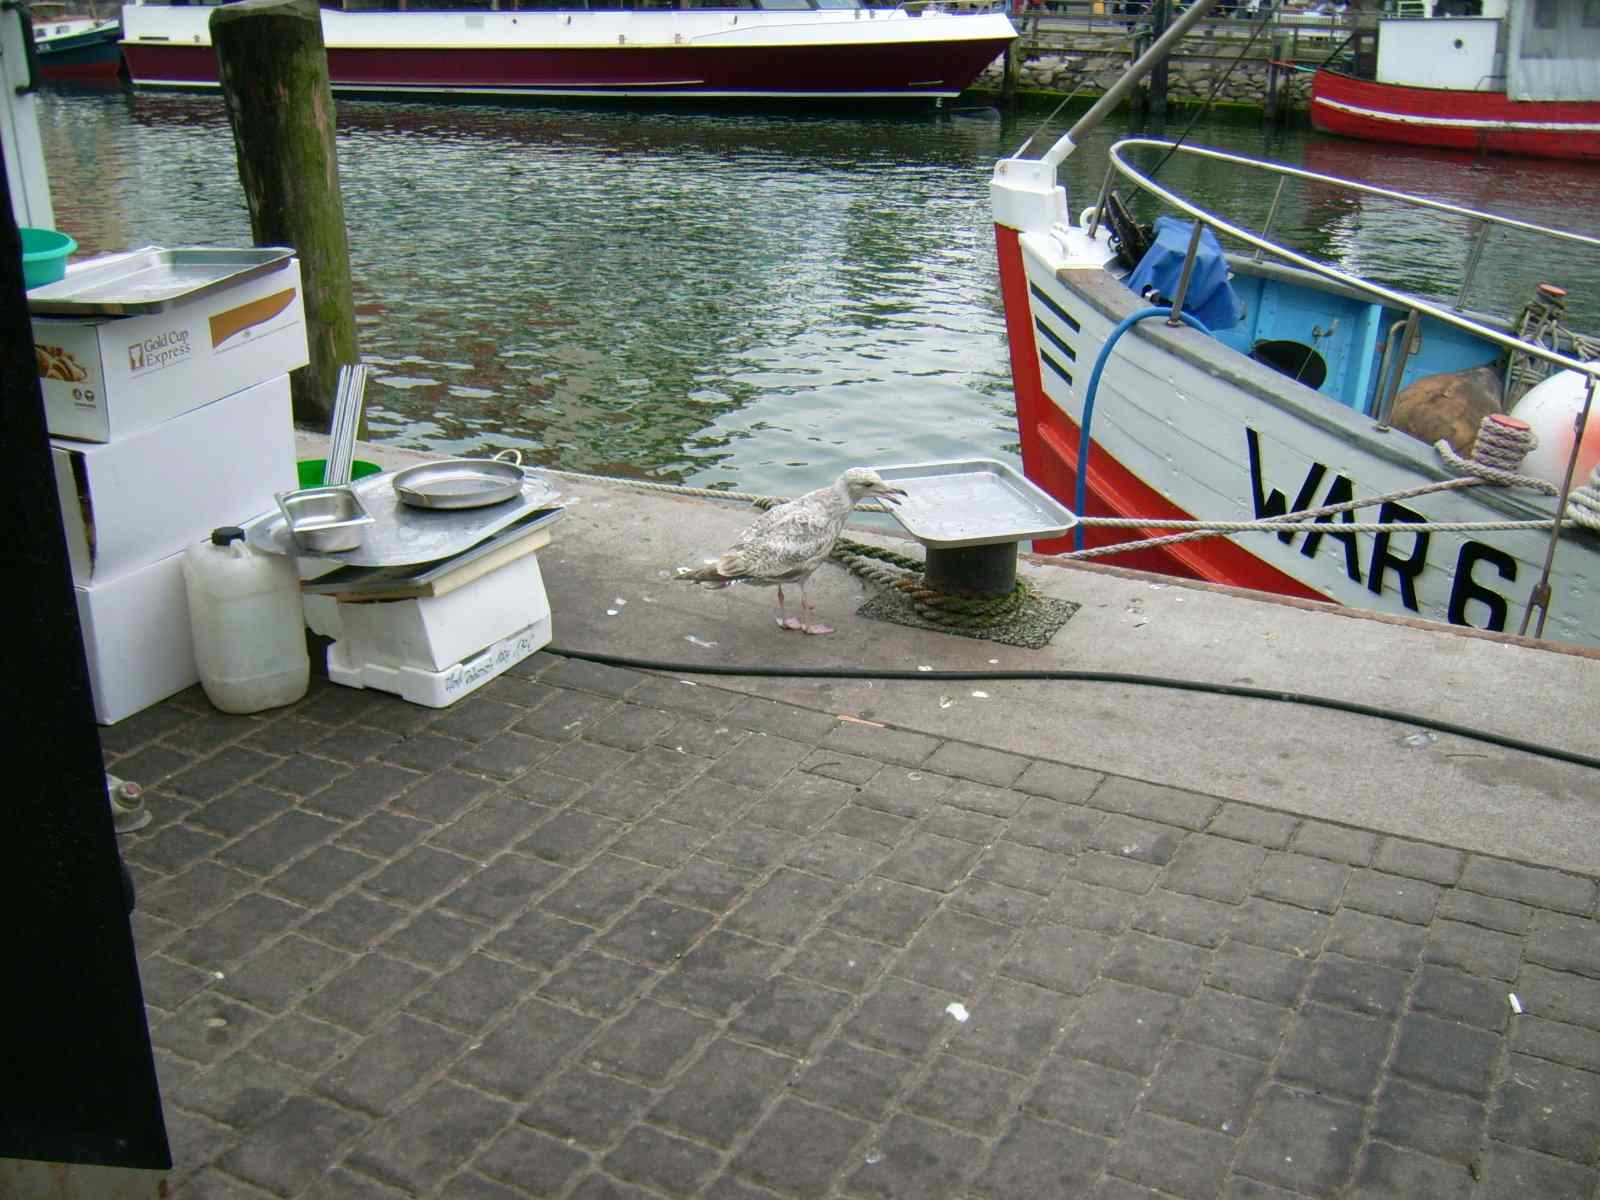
(742, 299)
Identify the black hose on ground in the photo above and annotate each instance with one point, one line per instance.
(1159, 681)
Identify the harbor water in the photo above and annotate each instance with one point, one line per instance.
(742, 300)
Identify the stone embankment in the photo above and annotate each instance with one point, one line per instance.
(1191, 78)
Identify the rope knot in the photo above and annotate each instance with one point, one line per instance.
(1502, 443)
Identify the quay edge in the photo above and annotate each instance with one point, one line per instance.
(1389, 776)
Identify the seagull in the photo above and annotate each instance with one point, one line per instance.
(786, 543)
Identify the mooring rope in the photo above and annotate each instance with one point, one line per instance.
(1500, 447)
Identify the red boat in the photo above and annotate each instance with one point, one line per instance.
(1162, 379)
(748, 50)
(1526, 81)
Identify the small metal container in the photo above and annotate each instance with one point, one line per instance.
(324, 519)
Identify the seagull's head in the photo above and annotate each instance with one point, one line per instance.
(863, 481)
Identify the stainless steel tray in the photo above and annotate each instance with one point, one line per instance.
(400, 534)
(973, 502)
(152, 279)
(458, 483)
(353, 580)
(325, 518)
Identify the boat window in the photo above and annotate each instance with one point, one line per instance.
(1544, 14)
(1591, 14)
(838, 4)
(784, 5)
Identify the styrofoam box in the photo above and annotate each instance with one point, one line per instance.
(433, 633)
(439, 689)
(127, 503)
(106, 377)
(136, 638)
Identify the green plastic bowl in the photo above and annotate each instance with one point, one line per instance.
(44, 255)
(312, 470)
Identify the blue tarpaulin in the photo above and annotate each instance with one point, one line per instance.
(1210, 297)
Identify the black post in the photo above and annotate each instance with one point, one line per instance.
(981, 571)
(79, 1082)
(1160, 12)
(1274, 79)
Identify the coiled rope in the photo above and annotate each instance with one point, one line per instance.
(940, 608)
(1583, 505)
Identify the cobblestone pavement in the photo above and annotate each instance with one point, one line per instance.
(597, 934)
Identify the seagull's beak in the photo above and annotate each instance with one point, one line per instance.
(890, 495)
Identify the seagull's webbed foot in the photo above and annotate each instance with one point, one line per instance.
(808, 625)
(784, 620)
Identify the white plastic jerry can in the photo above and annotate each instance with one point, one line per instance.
(247, 622)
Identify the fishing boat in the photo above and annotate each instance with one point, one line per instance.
(1520, 77)
(741, 50)
(75, 47)
(1361, 423)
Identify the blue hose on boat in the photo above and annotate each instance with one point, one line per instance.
(1127, 323)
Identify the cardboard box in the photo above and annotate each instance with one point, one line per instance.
(104, 378)
(434, 633)
(136, 638)
(127, 503)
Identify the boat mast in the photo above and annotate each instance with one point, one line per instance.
(1130, 79)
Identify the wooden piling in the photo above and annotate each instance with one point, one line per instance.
(1272, 105)
(274, 71)
(1160, 13)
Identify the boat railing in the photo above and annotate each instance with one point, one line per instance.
(1406, 302)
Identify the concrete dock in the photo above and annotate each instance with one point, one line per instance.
(604, 932)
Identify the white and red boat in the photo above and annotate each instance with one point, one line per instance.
(1287, 404)
(744, 50)
(1523, 78)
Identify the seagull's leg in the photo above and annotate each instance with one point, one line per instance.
(785, 621)
(807, 609)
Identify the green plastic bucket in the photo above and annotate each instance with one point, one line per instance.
(313, 469)
(44, 255)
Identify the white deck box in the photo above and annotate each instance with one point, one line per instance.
(127, 503)
(435, 633)
(136, 638)
(438, 689)
(106, 377)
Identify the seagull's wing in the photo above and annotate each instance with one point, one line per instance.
(786, 541)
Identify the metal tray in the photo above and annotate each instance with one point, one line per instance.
(354, 580)
(400, 534)
(151, 280)
(325, 518)
(973, 502)
(458, 483)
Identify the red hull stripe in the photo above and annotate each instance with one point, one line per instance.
(1050, 459)
(910, 69)
(1459, 120)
